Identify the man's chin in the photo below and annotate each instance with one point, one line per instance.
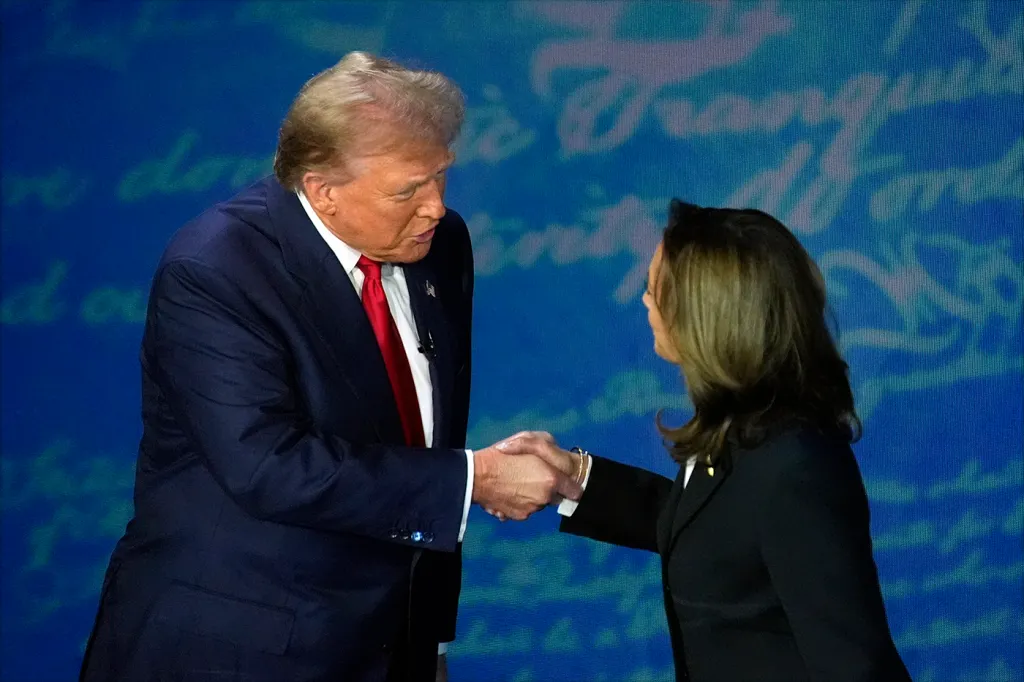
(416, 251)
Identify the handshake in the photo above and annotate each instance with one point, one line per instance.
(523, 474)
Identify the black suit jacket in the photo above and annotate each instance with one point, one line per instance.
(282, 531)
(767, 565)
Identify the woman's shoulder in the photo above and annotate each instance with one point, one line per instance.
(803, 449)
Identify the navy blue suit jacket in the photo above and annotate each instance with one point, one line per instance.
(281, 529)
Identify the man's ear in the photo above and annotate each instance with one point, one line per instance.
(319, 192)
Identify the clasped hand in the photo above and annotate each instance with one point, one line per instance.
(520, 475)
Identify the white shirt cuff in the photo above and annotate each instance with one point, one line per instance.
(567, 507)
(469, 493)
(442, 648)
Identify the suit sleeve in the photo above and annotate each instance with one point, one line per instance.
(227, 377)
(620, 506)
(816, 543)
(443, 571)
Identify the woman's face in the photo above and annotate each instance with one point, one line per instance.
(663, 345)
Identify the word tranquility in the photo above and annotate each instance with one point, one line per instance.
(605, 111)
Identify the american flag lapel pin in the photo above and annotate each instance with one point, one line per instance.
(430, 290)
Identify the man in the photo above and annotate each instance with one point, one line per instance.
(301, 490)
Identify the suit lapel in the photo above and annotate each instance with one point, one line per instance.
(434, 334)
(334, 311)
(695, 496)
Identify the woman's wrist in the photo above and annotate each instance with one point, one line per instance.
(581, 462)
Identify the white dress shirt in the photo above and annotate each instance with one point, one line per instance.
(567, 507)
(397, 292)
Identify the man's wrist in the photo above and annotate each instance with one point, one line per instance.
(467, 501)
(481, 470)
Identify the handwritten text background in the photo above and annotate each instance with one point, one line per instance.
(888, 135)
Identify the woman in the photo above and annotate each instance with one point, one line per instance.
(767, 564)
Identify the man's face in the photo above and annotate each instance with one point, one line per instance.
(389, 210)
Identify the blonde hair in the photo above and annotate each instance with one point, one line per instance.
(364, 105)
(745, 309)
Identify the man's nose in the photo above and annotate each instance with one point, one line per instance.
(432, 206)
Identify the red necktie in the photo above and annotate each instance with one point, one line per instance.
(376, 305)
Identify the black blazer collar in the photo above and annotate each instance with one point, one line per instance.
(684, 503)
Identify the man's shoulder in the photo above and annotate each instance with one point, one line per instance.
(452, 240)
(453, 229)
(225, 230)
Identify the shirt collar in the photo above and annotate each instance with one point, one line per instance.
(347, 256)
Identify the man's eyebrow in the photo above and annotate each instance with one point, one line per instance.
(420, 179)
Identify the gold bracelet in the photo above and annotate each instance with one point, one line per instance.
(583, 454)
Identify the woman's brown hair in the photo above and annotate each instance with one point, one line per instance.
(744, 306)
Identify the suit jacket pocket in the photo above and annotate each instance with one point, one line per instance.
(760, 616)
(247, 624)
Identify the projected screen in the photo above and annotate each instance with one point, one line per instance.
(886, 135)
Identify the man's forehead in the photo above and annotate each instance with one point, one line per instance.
(441, 158)
(404, 164)
(424, 165)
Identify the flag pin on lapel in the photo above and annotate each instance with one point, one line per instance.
(430, 290)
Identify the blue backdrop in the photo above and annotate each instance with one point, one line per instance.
(887, 135)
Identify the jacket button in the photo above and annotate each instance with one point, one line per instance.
(417, 537)
(428, 537)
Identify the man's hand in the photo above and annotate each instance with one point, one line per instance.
(516, 485)
(542, 444)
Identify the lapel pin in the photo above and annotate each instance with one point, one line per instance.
(430, 290)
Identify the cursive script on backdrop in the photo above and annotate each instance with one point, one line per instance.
(632, 76)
